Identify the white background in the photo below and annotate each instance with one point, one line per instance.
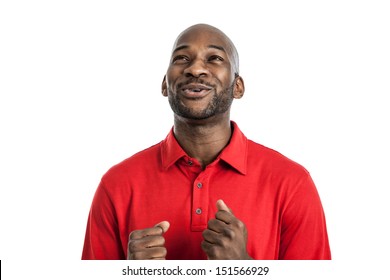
(80, 91)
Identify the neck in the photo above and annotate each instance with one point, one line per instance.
(203, 139)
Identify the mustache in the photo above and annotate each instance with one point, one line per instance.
(194, 81)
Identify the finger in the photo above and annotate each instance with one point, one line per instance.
(225, 217)
(224, 213)
(158, 229)
(221, 230)
(164, 225)
(150, 253)
(211, 236)
(210, 249)
(146, 242)
(221, 206)
(138, 234)
(206, 246)
(216, 225)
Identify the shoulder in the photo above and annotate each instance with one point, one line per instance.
(147, 158)
(273, 161)
(288, 177)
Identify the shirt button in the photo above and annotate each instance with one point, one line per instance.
(199, 185)
(198, 211)
(189, 162)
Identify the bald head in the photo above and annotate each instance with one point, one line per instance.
(214, 35)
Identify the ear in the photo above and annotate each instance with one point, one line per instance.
(239, 87)
(164, 89)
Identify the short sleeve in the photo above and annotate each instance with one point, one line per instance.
(102, 239)
(303, 232)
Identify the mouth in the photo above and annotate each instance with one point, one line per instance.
(195, 90)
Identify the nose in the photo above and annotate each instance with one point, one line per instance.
(196, 69)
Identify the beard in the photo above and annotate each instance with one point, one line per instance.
(219, 103)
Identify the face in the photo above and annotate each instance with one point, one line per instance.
(201, 82)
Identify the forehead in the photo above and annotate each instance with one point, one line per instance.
(202, 37)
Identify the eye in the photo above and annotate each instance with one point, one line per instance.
(215, 58)
(180, 59)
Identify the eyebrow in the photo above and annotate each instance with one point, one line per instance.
(217, 47)
(209, 46)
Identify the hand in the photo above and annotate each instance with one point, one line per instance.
(148, 244)
(225, 237)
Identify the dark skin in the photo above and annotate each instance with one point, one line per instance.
(201, 82)
(226, 236)
(148, 244)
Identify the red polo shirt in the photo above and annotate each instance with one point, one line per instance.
(274, 196)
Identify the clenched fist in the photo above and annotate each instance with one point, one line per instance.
(148, 244)
(225, 237)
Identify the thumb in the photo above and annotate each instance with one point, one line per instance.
(164, 225)
(221, 206)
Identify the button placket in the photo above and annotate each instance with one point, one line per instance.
(200, 202)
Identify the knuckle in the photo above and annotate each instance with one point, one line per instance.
(156, 241)
(135, 234)
(157, 253)
(203, 244)
(163, 251)
(132, 245)
(229, 233)
(214, 252)
(136, 256)
(211, 223)
(219, 215)
(132, 235)
(223, 242)
(240, 225)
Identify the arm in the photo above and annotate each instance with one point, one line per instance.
(102, 239)
(303, 230)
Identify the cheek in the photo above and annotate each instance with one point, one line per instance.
(226, 80)
(170, 79)
(168, 83)
(223, 74)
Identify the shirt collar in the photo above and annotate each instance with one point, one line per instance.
(234, 154)
(170, 151)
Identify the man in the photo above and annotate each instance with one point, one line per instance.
(206, 191)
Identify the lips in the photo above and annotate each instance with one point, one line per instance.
(194, 90)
